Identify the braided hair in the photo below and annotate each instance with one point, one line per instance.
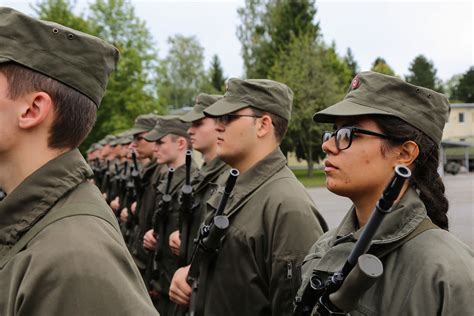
(425, 172)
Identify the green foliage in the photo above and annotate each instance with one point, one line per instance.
(381, 66)
(61, 11)
(267, 28)
(181, 74)
(423, 73)
(464, 91)
(216, 76)
(317, 180)
(313, 71)
(351, 62)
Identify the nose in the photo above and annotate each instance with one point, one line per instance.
(219, 126)
(191, 131)
(329, 146)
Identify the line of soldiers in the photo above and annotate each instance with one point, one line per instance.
(166, 205)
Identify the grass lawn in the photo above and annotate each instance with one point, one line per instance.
(318, 179)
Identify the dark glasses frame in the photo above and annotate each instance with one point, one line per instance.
(227, 118)
(351, 130)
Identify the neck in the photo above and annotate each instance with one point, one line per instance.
(365, 205)
(243, 164)
(209, 154)
(179, 161)
(21, 163)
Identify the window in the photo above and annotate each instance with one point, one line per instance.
(461, 117)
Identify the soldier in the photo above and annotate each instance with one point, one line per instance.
(382, 122)
(171, 142)
(150, 176)
(204, 139)
(61, 252)
(272, 218)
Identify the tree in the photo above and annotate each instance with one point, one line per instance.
(216, 75)
(381, 66)
(450, 86)
(464, 91)
(62, 12)
(351, 62)
(422, 73)
(267, 28)
(131, 90)
(308, 68)
(181, 73)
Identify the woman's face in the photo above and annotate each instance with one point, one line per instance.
(363, 168)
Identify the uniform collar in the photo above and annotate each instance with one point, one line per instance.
(31, 200)
(407, 214)
(210, 171)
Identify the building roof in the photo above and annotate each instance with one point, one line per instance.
(462, 105)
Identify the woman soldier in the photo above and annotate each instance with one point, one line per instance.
(383, 122)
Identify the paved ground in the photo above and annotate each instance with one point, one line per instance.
(459, 190)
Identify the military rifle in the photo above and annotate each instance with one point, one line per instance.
(340, 292)
(104, 186)
(186, 211)
(159, 225)
(207, 246)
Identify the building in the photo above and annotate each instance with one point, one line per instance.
(458, 136)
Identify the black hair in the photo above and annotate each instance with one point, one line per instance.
(425, 176)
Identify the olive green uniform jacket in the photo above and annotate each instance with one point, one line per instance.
(431, 274)
(151, 174)
(78, 265)
(273, 223)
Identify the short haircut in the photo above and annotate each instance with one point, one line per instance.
(75, 114)
(175, 137)
(279, 123)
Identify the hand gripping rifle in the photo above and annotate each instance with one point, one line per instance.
(341, 292)
(207, 246)
(186, 211)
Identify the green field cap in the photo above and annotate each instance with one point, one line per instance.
(374, 93)
(168, 125)
(107, 140)
(262, 94)
(79, 60)
(143, 123)
(203, 101)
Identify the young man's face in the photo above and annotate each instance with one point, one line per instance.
(236, 139)
(144, 149)
(8, 117)
(203, 134)
(166, 150)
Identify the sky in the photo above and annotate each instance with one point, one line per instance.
(397, 31)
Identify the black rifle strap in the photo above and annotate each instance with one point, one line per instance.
(425, 225)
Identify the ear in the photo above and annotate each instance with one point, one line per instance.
(35, 110)
(182, 143)
(407, 153)
(265, 126)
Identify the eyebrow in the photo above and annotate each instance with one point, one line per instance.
(347, 124)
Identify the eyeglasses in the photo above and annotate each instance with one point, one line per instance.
(138, 138)
(345, 135)
(227, 118)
